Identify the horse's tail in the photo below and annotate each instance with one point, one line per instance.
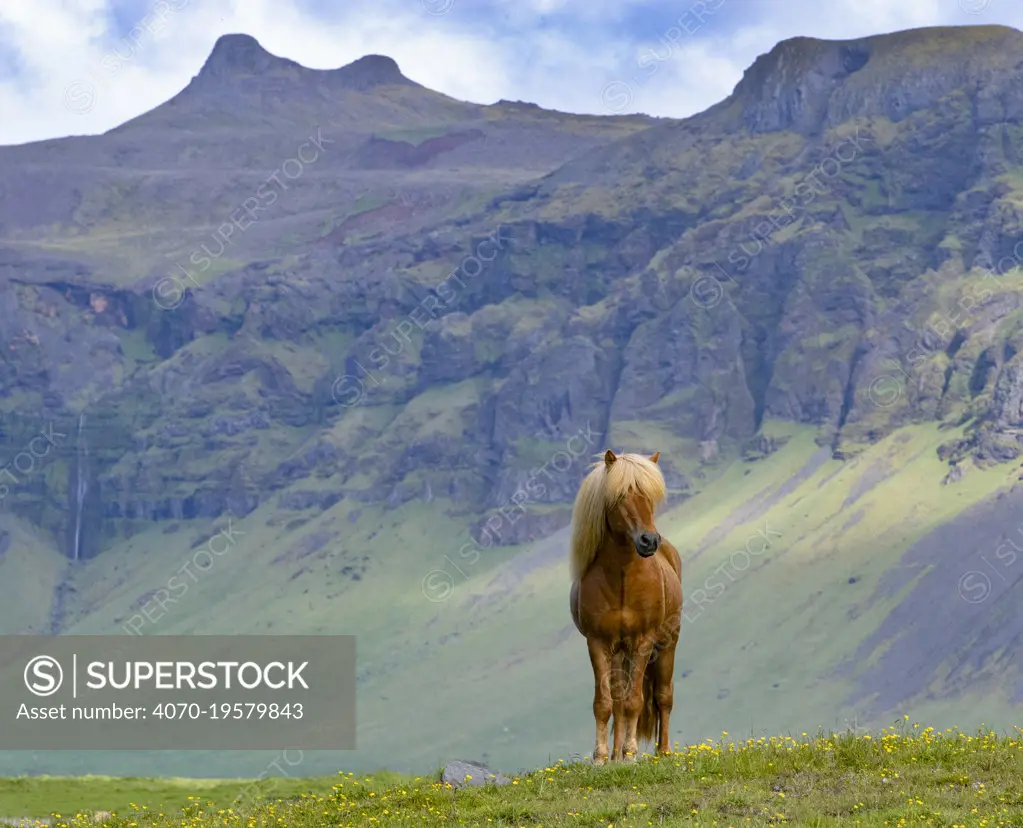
(649, 715)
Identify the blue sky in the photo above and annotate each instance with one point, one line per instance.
(57, 75)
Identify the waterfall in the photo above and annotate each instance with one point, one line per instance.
(82, 485)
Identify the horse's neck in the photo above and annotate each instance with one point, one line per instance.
(616, 560)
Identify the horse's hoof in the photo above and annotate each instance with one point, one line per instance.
(629, 758)
(599, 760)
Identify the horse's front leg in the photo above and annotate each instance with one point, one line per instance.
(600, 659)
(619, 682)
(664, 693)
(635, 662)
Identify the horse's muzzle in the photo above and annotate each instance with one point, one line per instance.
(647, 543)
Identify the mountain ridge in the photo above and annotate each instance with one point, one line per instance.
(241, 54)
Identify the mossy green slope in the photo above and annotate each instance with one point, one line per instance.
(781, 575)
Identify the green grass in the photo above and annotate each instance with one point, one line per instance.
(415, 137)
(366, 203)
(903, 775)
(30, 571)
(39, 797)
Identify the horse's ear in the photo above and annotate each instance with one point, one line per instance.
(609, 458)
(654, 456)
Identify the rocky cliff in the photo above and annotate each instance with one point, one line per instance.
(836, 243)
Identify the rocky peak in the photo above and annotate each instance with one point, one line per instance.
(370, 71)
(237, 56)
(806, 84)
(242, 79)
(241, 54)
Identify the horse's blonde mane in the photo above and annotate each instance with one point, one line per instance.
(602, 488)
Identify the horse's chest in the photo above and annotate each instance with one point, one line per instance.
(603, 614)
(623, 623)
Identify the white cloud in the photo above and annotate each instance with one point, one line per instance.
(61, 47)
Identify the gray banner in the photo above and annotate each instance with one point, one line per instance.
(177, 692)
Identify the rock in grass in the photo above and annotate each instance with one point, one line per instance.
(461, 774)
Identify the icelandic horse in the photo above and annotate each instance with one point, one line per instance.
(626, 600)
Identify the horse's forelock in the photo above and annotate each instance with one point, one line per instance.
(634, 471)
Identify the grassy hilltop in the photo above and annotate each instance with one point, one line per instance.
(906, 774)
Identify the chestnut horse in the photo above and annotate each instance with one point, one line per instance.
(627, 600)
